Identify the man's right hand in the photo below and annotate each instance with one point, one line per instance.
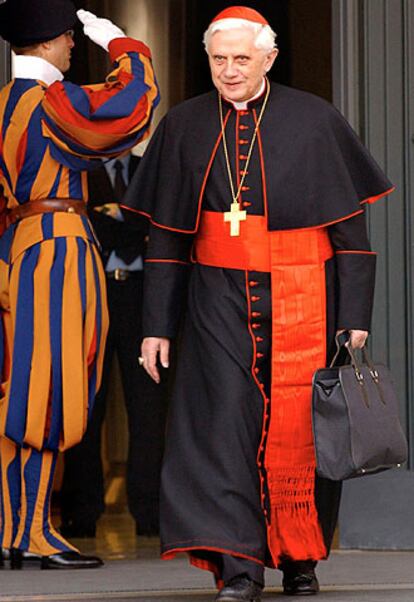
(100, 31)
(152, 348)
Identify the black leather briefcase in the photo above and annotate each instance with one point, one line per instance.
(355, 417)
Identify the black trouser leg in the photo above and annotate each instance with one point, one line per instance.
(146, 404)
(327, 498)
(233, 567)
(82, 494)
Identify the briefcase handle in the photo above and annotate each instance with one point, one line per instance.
(350, 357)
(341, 357)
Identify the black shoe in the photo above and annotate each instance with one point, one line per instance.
(70, 560)
(19, 557)
(73, 529)
(299, 579)
(240, 589)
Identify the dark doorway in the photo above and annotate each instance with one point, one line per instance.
(303, 36)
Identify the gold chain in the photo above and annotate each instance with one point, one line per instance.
(249, 154)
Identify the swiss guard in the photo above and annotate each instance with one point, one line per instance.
(52, 286)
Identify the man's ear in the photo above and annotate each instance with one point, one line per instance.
(270, 59)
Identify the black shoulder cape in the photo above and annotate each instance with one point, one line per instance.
(317, 170)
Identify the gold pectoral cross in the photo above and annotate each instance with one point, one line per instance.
(235, 216)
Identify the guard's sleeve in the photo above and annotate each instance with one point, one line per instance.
(167, 269)
(3, 212)
(103, 120)
(356, 272)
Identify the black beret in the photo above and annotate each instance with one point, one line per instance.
(27, 22)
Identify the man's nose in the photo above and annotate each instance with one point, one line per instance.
(230, 69)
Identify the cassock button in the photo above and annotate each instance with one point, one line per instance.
(245, 188)
(243, 172)
(243, 127)
(256, 314)
(253, 283)
(246, 204)
(259, 339)
(242, 142)
(255, 326)
(255, 298)
(259, 355)
(243, 158)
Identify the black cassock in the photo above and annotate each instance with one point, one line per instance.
(309, 174)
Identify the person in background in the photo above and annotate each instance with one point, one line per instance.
(256, 194)
(52, 285)
(123, 247)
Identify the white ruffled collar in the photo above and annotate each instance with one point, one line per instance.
(34, 67)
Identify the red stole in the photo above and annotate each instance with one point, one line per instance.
(296, 261)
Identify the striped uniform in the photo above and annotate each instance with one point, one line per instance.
(52, 286)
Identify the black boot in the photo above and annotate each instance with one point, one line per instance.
(240, 589)
(299, 578)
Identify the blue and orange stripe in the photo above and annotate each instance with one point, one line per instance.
(35, 532)
(10, 491)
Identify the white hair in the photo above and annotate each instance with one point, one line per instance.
(265, 37)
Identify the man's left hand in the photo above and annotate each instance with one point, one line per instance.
(357, 338)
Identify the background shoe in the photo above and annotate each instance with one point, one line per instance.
(70, 560)
(240, 589)
(300, 582)
(73, 529)
(20, 557)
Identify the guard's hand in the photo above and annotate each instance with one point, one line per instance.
(357, 338)
(100, 31)
(110, 210)
(152, 347)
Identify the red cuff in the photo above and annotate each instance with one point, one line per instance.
(167, 261)
(349, 252)
(119, 46)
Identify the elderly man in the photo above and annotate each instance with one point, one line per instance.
(52, 286)
(256, 194)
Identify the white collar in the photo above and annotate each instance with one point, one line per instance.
(34, 67)
(242, 106)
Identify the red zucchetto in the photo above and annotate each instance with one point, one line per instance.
(241, 12)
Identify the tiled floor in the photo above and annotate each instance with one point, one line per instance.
(133, 571)
(116, 540)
